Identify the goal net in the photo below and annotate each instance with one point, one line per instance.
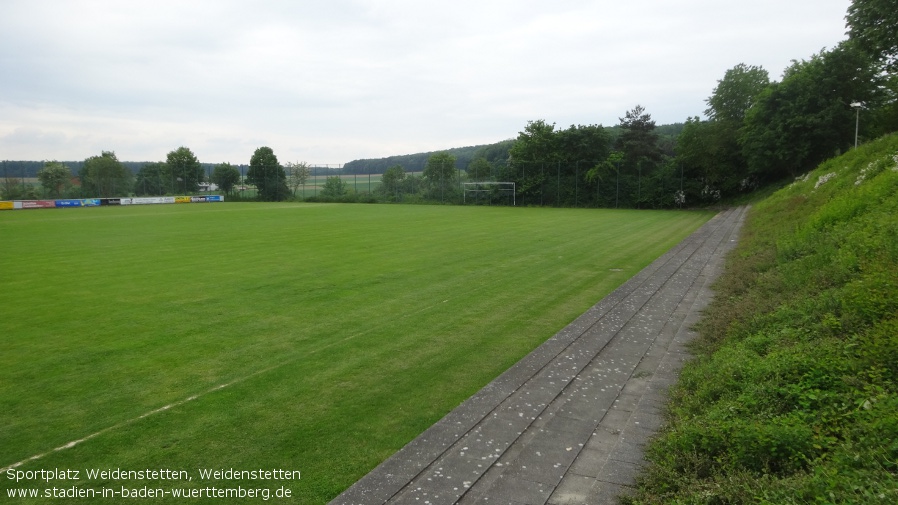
(490, 193)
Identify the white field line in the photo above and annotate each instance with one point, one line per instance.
(189, 399)
(73, 443)
(178, 403)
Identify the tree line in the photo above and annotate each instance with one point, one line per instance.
(757, 131)
(105, 175)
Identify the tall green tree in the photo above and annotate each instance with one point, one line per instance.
(267, 175)
(873, 26)
(391, 182)
(708, 153)
(587, 144)
(225, 176)
(441, 176)
(882, 118)
(550, 166)
(534, 149)
(185, 170)
(153, 179)
(105, 176)
(11, 188)
(536, 144)
(297, 175)
(638, 143)
(479, 169)
(411, 184)
(709, 160)
(579, 148)
(807, 118)
(736, 92)
(55, 178)
(607, 172)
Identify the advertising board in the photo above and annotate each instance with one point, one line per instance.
(68, 203)
(95, 202)
(38, 204)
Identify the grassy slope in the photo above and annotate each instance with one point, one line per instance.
(343, 331)
(793, 398)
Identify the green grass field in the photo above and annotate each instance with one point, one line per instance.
(310, 337)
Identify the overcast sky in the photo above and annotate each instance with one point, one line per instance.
(330, 81)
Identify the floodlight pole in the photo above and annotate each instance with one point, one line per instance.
(857, 119)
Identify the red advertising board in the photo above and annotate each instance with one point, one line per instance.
(38, 204)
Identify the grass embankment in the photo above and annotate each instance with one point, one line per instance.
(793, 396)
(318, 338)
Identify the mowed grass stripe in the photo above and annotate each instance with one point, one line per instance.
(376, 319)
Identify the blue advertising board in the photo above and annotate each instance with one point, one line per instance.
(67, 203)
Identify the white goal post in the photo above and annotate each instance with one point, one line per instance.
(488, 188)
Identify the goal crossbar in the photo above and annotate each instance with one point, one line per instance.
(490, 187)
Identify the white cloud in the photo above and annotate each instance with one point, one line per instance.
(330, 81)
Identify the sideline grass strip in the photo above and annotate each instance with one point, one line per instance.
(368, 323)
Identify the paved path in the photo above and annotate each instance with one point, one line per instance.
(567, 423)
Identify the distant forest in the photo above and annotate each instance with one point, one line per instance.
(494, 153)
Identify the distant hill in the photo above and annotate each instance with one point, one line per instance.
(667, 135)
(415, 162)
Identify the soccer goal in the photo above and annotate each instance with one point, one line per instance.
(489, 192)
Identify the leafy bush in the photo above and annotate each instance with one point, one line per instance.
(334, 187)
